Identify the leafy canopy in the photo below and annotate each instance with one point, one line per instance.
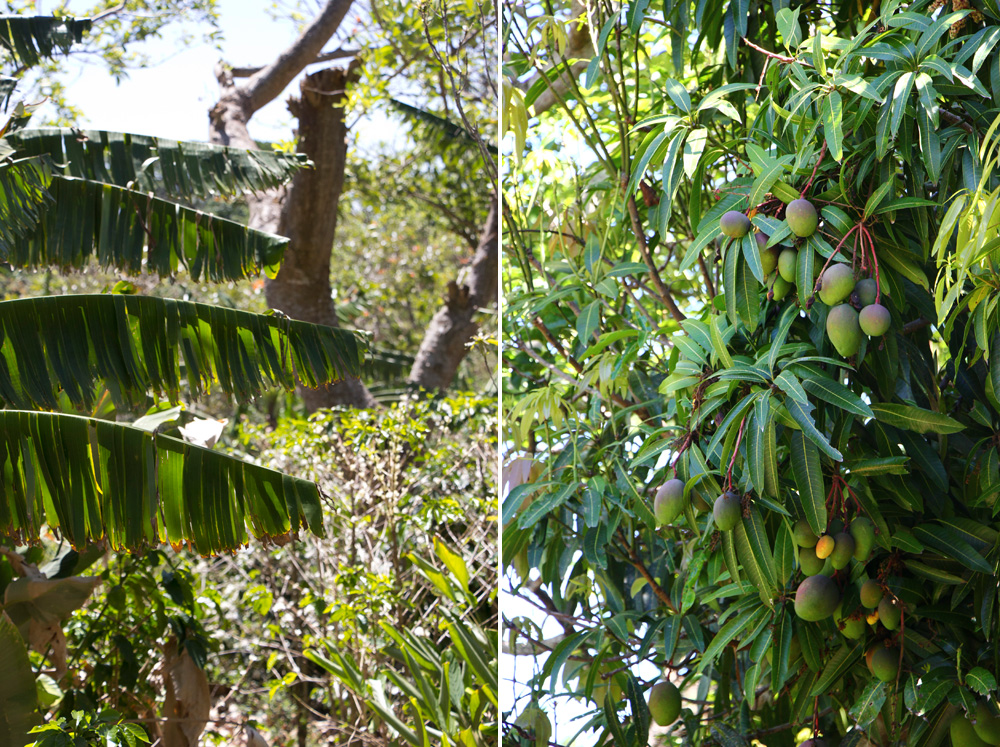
(643, 344)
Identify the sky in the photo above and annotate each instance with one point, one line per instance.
(171, 99)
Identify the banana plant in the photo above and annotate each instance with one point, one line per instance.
(69, 198)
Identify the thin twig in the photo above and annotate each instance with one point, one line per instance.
(661, 289)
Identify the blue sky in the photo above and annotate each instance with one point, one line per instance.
(172, 98)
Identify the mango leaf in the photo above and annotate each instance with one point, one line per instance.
(950, 544)
(912, 418)
(808, 475)
(868, 705)
(981, 681)
(803, 416)
(837, 666)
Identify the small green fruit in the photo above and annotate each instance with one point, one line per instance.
(963, 733)
(889, 614)
(801, 217)
(803, 535)
(866, 291)
(769, 259)
(816, 598)
(664, 703)
(854, 628)
(875, 320)
(987, 724)
(864, 538)
(735, 224)
(669, 502)
(521, 563)
(824, 547)
(884, 663)
(809, 563)
(786, 264)
(836, 284)
(781, 288)
(843, 550)
(728, 510)
(871, 594)
(843, 329)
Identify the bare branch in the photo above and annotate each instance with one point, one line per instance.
(336, 54)
(268, 83)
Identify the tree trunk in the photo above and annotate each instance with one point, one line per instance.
(308, 217)
(305, 211)
(454, 324)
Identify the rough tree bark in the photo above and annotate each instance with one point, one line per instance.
(454, 324)
(306, 210)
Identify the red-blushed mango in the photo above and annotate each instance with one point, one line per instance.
(801, 217)
(735, 224)
(875, 320)
(866, 291)
(727, 511)
(816, 598)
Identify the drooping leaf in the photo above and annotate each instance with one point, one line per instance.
(92, 479)
(18, 698)
(141, 344)
(136, 233)
(29, 39)
(180, 169)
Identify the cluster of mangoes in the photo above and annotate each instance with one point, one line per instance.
(984, 731)
(853, 305)
(818, 596)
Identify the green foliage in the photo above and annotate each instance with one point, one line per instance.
(412, 638)
(58, 347)
(105, 729)
(644, 344)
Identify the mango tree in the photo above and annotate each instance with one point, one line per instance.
(752, 368)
